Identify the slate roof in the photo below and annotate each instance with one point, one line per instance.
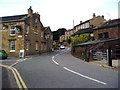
(96, 42)
(82, 31)
(14, 18)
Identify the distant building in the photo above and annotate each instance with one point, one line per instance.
(49, 38)
(62, 38)
(86, 27)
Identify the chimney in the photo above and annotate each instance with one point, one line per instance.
(38, 15)
(30, 11)
(103, 16)
(94, 15)
(80, 22)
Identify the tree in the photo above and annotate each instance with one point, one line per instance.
(69, 40)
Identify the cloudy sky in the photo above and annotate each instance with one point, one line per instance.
(61, 13)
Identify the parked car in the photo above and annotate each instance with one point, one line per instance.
(3, 54)
(62, 47)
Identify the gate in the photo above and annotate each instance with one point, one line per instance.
(117, 52)
(99, 55)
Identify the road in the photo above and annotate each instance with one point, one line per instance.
(56, 70)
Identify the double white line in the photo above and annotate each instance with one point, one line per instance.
(18, 78)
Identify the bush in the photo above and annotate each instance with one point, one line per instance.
(80, 38)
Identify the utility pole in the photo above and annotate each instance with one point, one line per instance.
(73, 25)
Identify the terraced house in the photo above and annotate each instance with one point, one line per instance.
(22, 32)
(86, 26)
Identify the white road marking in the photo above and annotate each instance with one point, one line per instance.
(85, 76)
(53, 57)
(55, 62)
(13, 64)
(20, 60)
(78, 73)
(6, 60)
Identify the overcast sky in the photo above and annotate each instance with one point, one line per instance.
(61, 13)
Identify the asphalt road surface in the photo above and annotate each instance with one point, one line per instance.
(55, 70)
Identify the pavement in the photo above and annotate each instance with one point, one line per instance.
(103, 63)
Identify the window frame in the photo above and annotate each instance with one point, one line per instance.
(11, 30)
(41, 34)
(100, 37)
(36, 46)
(12, 46)
(106, 35)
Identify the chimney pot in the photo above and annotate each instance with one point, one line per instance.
(30, 11)
(80, 22)
(94, 15)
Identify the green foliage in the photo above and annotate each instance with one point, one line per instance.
(80, 38)
(69, 40)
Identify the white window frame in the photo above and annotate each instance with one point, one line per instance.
(12, 44)
(36, 45)
(11, 30)
(41, 34)
(85, 25)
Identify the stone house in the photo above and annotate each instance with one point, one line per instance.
(68, 33)
(86, 27)
(109, 30)
(106, 36)
(21, 32)
(62, 38)
(49, 38)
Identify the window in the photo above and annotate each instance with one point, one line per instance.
(86, 25)
(51, 37)
(36, 45)
(12, 30)
(100, 36)
(12, 46)
(80, 26)
(106, 35)
(83, 26)
(41, 34)
(36, 20)
(27, 29)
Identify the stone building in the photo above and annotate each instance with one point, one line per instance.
(109, 30)
(22, 32)
(49, 38)
(62, 38)
(107, 36)
(87, 26)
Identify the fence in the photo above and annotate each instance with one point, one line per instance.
(105, 51)
(99, 55)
